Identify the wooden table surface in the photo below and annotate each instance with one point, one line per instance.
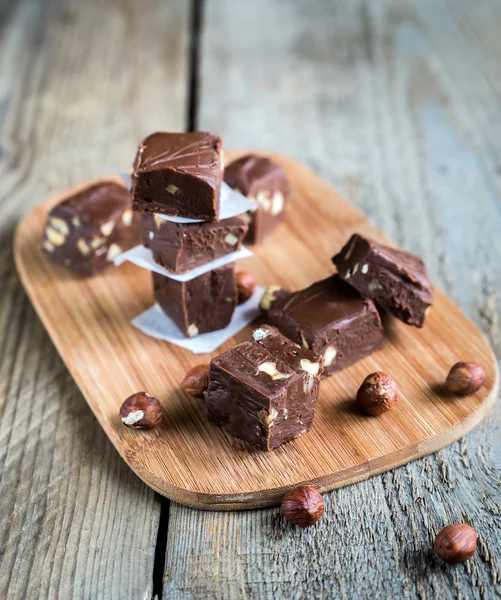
(397, 103)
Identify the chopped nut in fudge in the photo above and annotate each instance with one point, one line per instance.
(394, 279)
(331, 318)
(87, 230)
(264, 391)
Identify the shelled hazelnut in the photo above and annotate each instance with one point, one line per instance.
(303, 506)
(141, 411)
(465, 378)
(246, 285)
(196, 381)
(456, 543)
(377, 394)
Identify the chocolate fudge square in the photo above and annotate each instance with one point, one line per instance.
(394, 279)
(200, 305)
(178, 174)
(180, 247)
(332, 319)
(264, 391)
(87, 230)
(265, 182)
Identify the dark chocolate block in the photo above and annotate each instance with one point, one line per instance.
(395, 279)
(264, 391)
(265, 182)
(180, 247)
(331, 318)
(200, 305)
(178, 174)
(86, 231)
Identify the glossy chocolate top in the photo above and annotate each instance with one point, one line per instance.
(252, 174)
(96, 204)
(361, 250)
(326, 302)
(197, 154)
(266, 363)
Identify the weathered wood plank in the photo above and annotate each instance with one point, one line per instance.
(396, 102)
(75, 522)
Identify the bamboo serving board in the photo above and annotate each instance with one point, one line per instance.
(193, 462)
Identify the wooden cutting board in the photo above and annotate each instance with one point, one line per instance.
(195, 463)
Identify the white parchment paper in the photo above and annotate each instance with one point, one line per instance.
(232, 203)
(156, 323)
(143, 257)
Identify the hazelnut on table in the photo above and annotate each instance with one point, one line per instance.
(141, 411)
(377, 394)
(196, 381)
(246, 284)
(303, 506)
(465, 378)
(456, 543)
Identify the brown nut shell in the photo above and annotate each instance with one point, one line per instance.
(303, 506)
(246, 285)
(456, 543)
(196, 381)
(465, 378)
(141, 411)
(377, 394)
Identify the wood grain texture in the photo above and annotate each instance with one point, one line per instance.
(193, 462)
(74, 521)
(397, 104)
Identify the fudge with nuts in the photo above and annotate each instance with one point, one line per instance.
(264, 391)
(178, 174)
(394, 279)
(87, 230)
(330, 318)
(200, 305)
(180, 247)
(265, 182)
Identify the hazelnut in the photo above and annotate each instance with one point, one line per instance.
(465, 378)
(196, 381)
(456, 543)
(246, 284)
(141, 411)
(377, 394)
(303, 506)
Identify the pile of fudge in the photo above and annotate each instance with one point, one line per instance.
(176, 208)
(265, 391)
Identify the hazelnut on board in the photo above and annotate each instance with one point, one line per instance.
(465, 378)
(196, 381)
(456, 543)
(377, 394)
(141, 411)
(302, 506)
(246, 284)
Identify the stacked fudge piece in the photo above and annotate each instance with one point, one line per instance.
(176, 185)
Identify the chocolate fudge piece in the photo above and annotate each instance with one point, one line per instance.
(264, 391)
(180, 247)
(178, 174)
(86, 231)
(331, 318)
(200, 305)
(395, 279)
(264, 181)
